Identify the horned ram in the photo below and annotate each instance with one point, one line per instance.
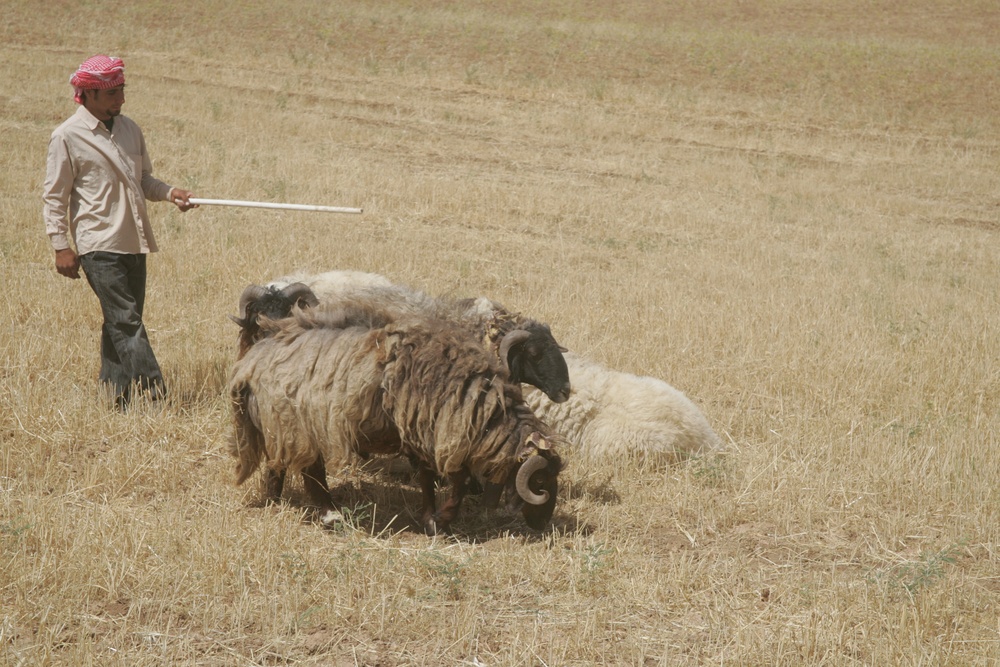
(527, 346)
(327, 383)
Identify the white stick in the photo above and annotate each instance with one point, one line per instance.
(263, 204)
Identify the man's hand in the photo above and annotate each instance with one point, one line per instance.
(67, 263)
(182, 199)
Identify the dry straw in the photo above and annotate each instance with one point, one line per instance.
(788, 212)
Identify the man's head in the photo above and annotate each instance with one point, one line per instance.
(99, 85)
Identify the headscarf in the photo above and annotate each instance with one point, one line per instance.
(97, 73)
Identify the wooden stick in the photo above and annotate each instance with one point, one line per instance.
(262, 204)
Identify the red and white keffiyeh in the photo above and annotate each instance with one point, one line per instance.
(97, 73)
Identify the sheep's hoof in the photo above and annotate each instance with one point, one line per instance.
(433, 528)
(331, 518)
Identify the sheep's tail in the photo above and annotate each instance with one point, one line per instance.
(247, 445)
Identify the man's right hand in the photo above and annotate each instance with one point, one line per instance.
(67, 263)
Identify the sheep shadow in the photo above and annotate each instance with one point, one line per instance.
(381, 499)
(602, 491)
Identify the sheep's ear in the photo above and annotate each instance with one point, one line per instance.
(538, 440)
(238, 320)
(562, 349)
(533, 444)
(526, 451)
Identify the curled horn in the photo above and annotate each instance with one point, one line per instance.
(510, 340)
(297, 291)
(250, 294)
(524, 473)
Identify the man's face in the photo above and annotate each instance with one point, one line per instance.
(105, 104)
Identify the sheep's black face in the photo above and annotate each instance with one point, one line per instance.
(542, 482)
(546, 480)
(538, 361)
(274, 305)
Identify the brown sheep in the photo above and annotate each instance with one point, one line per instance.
(526, 345)
(329, 382)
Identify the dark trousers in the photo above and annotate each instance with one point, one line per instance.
(127, 360)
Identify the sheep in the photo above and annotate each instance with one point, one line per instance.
(527, 345)
(333, 283)
(609, 413)
(270, 302)
(612, 414)
(329, 382)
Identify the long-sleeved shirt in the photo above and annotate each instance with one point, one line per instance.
(96, 186)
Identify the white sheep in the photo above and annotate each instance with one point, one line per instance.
(332, 283)
(611, 414)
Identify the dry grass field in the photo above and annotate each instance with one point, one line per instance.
(788, 210)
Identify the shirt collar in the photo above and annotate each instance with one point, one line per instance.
(89, 120)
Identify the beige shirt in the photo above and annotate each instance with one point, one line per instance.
(96, 186)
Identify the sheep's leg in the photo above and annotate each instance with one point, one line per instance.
(274, 482)
(475, 487)
(314, 478)
(439, 520)
(427, 482)
(460, 482)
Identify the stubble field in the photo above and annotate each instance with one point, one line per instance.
(789, 212)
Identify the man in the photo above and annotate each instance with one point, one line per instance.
(97, 180)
